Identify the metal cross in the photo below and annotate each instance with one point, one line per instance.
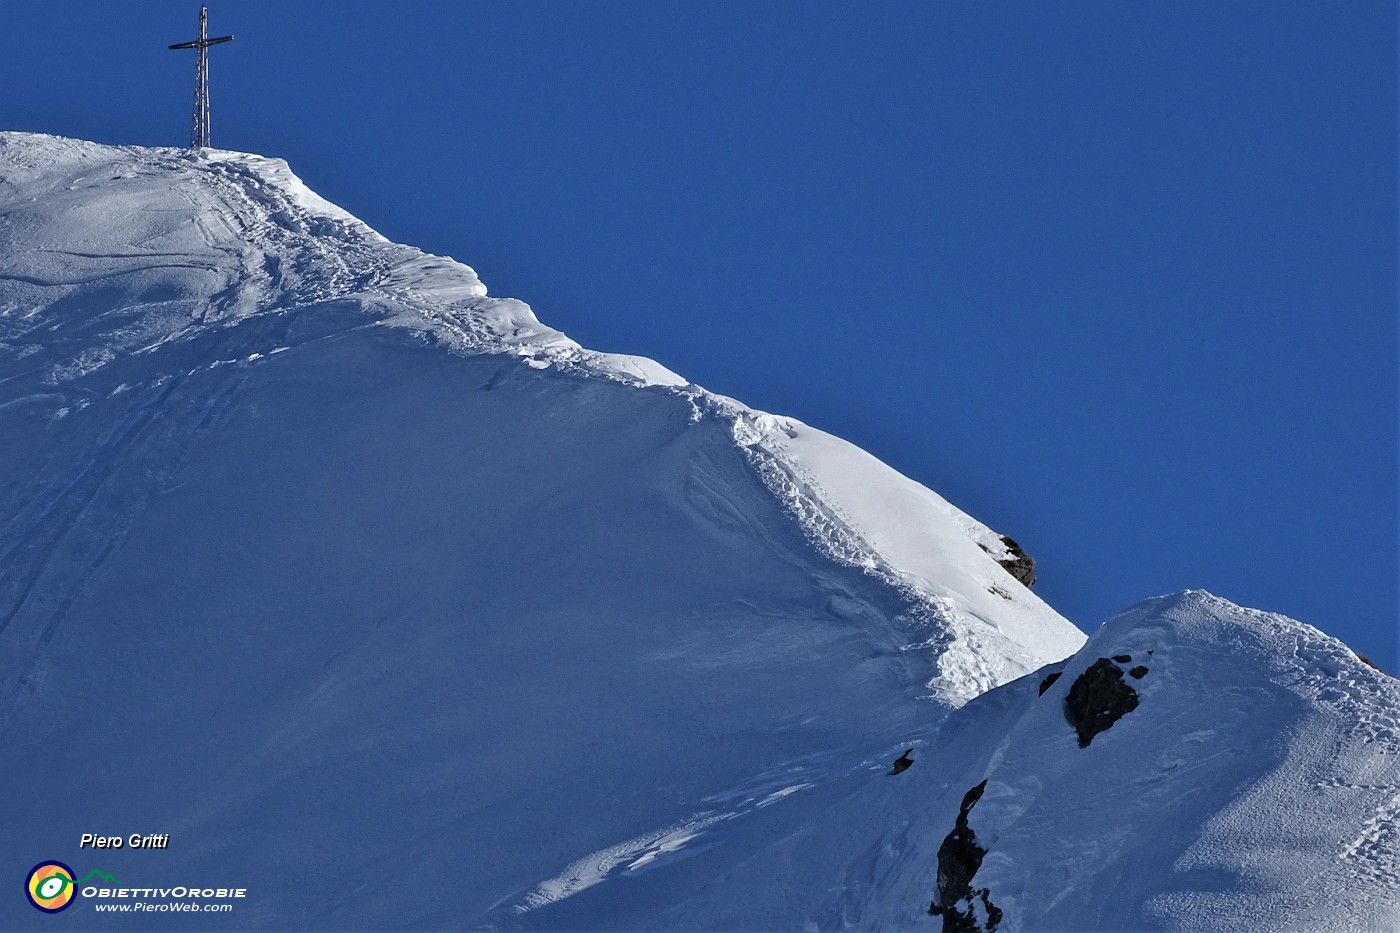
(199, 132)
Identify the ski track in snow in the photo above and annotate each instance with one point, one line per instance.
(632, 855)
(766, 789)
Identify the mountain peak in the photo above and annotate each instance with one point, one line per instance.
(316, 547)
(185, 259)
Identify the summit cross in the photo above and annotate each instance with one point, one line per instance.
(199, 131)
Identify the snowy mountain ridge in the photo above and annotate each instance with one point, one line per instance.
(266, 244)
(404, 611)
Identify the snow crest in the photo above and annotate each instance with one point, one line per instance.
(201, 242)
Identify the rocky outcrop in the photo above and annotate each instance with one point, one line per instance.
(963, 908)
(1099, 697)
(1049, 681)
(1018, 563)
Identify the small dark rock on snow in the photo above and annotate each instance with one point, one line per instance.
(1049, 679)
(903, 762)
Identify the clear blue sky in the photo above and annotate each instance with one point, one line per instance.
(1117, 278)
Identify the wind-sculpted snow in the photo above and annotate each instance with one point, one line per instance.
(985, 627)
(360, 582)
(113, 253)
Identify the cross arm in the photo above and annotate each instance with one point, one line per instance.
(197, 43)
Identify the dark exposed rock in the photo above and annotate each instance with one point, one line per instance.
(993, 911)
(1097, 699)
(1123, 658)
(1365, 660)
(1138, 672)
(959, 857)
(902, 763)
(1018, 563)
(1049, 679)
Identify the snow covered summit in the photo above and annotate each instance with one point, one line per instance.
(317, 549)
(400, 610)
(159, 263)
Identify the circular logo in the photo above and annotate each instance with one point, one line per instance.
(49, 887)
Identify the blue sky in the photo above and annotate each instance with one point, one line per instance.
(1118, 279)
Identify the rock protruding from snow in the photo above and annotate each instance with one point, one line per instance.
(1017, 562)
(964, 909)
(1098, 698)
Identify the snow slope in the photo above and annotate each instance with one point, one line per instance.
(175, 248)
(1256, 787)
(360, 583)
